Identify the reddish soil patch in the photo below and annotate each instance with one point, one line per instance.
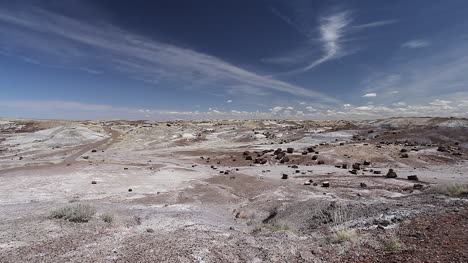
(439, 237)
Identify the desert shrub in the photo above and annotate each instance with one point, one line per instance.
(107, 217)
(75, 213)
(453, 189)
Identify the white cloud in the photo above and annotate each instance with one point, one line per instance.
(73, 110)
(229, 101)
(369, 95)
(417, 43)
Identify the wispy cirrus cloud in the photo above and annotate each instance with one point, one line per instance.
(332, 29)
(375, 24)
(417, 43)
(140, 58)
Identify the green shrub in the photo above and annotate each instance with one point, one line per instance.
(75, 213)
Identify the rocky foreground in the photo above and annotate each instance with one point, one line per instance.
(392, 190)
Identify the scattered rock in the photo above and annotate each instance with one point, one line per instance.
(284, 176)
(315, 157)
(93, 182)
(391, 174)
(377, 172)
(325, 184)
(321, 162)
(130, 189)
(290, 150)
(150, 230)
(363, 185)
(93, 150)
(404, 155)
(356, 166)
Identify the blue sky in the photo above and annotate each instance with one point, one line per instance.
(223, 59)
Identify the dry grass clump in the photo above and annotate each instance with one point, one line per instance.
(340, 214)
(79, 213)
(392, 242)
(107, 217)
(453, 189)
(342, 235)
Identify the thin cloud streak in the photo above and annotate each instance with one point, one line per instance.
(375, 24)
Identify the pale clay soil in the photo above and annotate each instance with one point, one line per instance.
(195, 198)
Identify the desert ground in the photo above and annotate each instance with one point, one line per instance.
(234, 191)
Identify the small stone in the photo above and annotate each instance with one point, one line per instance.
(391, 174)
(284, 176)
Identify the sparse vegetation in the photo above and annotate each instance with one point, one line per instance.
(342, 235)
(392, 242)
(453, 189)
(78, 213)
(107, 217)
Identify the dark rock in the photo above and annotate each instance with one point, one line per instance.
(391, 174)
(305, 152)
(280, 155)
(310, 149)
(150, 230)
(93, 150)
(403, 150)
(363, 185)
(285, 159)
(356, 166)
(315, 157)
(377, 172)
(290, 150)
(294, 166)
(325, 184)
(353, 171)
(321, 162)
(344, 166)
(404, 155)
(246, 153)
(93, 182)
(248, 158)
(418, 186)
(284, 176)
(277, 151)
(366, 163)
(125, 168)
(413, 177)
(130, 189)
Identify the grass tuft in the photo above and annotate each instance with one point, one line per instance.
(108, 218)
(453, 189)
(79, 213)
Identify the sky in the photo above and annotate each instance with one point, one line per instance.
(226, 59)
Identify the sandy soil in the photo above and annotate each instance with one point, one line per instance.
(212, 191)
